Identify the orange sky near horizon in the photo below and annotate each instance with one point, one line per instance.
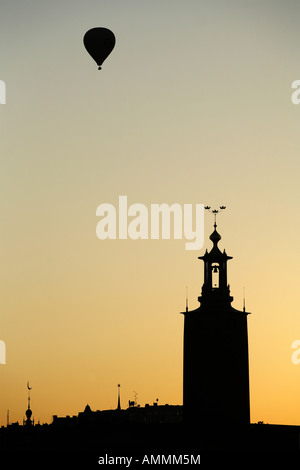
(193, 106)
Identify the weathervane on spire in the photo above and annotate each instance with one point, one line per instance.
(215, 212)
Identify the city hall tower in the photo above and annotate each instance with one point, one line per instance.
(215, 362)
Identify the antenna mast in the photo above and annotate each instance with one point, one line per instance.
(186, 299)
(119, 402)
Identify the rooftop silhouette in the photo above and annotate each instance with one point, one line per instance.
(215, 414)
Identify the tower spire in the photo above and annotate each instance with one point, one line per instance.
(215, 288)
(28, 413)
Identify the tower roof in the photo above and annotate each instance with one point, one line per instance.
(215, 253)
(215, 237)
(215, 294)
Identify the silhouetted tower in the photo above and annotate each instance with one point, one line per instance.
(216, 371)
(119, 400)
(28, 412)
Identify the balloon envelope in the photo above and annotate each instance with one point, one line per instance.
(99, 42)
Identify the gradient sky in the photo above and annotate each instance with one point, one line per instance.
(192, 106)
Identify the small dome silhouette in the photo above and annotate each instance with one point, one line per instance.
(87, 409)
(215, 237)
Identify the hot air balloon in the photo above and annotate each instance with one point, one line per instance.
(99, 42)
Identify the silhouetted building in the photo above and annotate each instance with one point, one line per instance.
(216, 372)
(215, 402)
